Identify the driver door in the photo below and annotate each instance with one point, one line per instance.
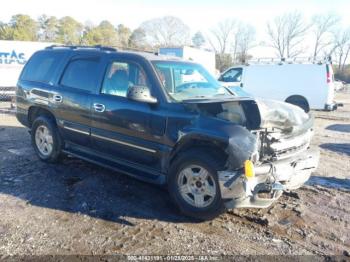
(121, 128)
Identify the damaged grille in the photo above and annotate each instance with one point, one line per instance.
(281, 148)
(288, 152)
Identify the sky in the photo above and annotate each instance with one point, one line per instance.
(197, 14)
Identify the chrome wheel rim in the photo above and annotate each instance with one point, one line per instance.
(197, 186)
(43, 140)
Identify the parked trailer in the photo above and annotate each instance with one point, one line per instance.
(13, 56)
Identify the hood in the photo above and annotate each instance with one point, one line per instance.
(283, 116)
(255, 113)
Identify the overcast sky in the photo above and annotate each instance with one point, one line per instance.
(197, 14)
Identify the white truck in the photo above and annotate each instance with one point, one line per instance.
(13, 56)
(309, 85)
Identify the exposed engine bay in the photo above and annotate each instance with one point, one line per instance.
(281, 130)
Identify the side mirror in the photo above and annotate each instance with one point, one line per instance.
(141, 94)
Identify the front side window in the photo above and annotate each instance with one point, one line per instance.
(186, 81)
(81, 74)
(120, 76)
(233, 75)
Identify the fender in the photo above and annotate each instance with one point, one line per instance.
(237, 144)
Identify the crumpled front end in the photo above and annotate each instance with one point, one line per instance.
(282, 159)
(269, 181)
(274, 137)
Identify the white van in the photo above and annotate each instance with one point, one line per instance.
(307, 85)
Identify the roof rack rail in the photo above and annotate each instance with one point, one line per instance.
(138, 50)
(100, 47)
(106, 48)
(294, 60)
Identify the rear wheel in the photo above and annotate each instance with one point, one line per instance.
(46, 140)
(299, 101)
(193, 185)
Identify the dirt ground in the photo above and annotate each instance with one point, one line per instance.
(78, 208)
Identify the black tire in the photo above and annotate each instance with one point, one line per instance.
(195, 157)
(300, 102)
(57, 142)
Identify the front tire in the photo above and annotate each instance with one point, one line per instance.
(193, 185)
(46, 140)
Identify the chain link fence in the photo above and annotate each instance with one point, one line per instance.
(7, 93)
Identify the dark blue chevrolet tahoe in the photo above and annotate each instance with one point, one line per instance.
(166, 121)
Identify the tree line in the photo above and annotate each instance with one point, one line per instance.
(231, 39)
(164, 31)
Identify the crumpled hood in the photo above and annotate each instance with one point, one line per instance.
(281, 115)
(256, 113)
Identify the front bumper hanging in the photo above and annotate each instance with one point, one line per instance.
(269, 182)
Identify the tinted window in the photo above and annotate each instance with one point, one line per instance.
(41, 66)
(233, 75)
(81, 73)
(122, 75)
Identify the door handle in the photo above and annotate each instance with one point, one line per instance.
(99, 107)
(57, 98)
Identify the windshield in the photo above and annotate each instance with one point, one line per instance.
(187, 81)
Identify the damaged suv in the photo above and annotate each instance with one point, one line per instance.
(164, 121)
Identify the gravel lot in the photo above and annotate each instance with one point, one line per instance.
(78, 208)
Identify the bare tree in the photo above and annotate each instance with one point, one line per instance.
(286, 33)
(244, 41)
(166, 31)
(220, 38)
(341, 47)
(222, 35)
(276, 34)
(322, 27)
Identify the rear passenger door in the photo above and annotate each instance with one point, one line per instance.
(73, 100)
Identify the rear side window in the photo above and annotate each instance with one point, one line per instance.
(41, 66)
(81, 74)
